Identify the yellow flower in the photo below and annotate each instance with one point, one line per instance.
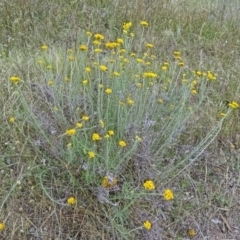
(130, 101)
(176, 53)
(103, 68)
(120, 40)
(132, 34)
(194, 91)
(55, 108)
(149, 74)
(233, 104)
(107, 136)
(100, 85)
(108, 91)
(97, 50)
(15, 79)
(44, 47)
(149, 45)
(71, 58)
(109, 181)
(211, 76)
(144, 23)
(79, 125)
(138, 139)
(122, 50)
(99, 36)
(70, 132)
(89, 34)
(49, 67)
(181, 64)
(71, 200)
(69, 145)
(40, 62)
(147, 225)
(85, 118)
(139, 60)
(70, 50)
(139, 85)
(91, 154)
(66, 79)
(83, 47)
(122, 143)
(88, 69)
(132, 55)
(50, 82)
(222, 114)
(164, 68)
(127, 25)
(110, 132)
(168, 194)
(116, 74)
(85, 82)
(11, 119)
(149, 184)
(2, 226)
(102, 123)
(160, 100)
(96, 137)
(191, 232)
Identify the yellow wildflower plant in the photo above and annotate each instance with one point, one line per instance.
(71, 201)
(96, 137)
(109, 181)
(50, 83)
(149, 185)
(98, 50)
(2, 226)
(122, 143)
(147, 225)
(168, 194)
(70, 132)
(222, 114)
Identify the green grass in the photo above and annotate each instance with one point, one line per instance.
(168, 119)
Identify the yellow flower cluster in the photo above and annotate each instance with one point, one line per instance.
(149, 74)
(168, 194)
(149, 185)
(71, 200)
(147, 225)
(70, 132)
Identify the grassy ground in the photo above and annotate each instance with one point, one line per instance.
(123, 142)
